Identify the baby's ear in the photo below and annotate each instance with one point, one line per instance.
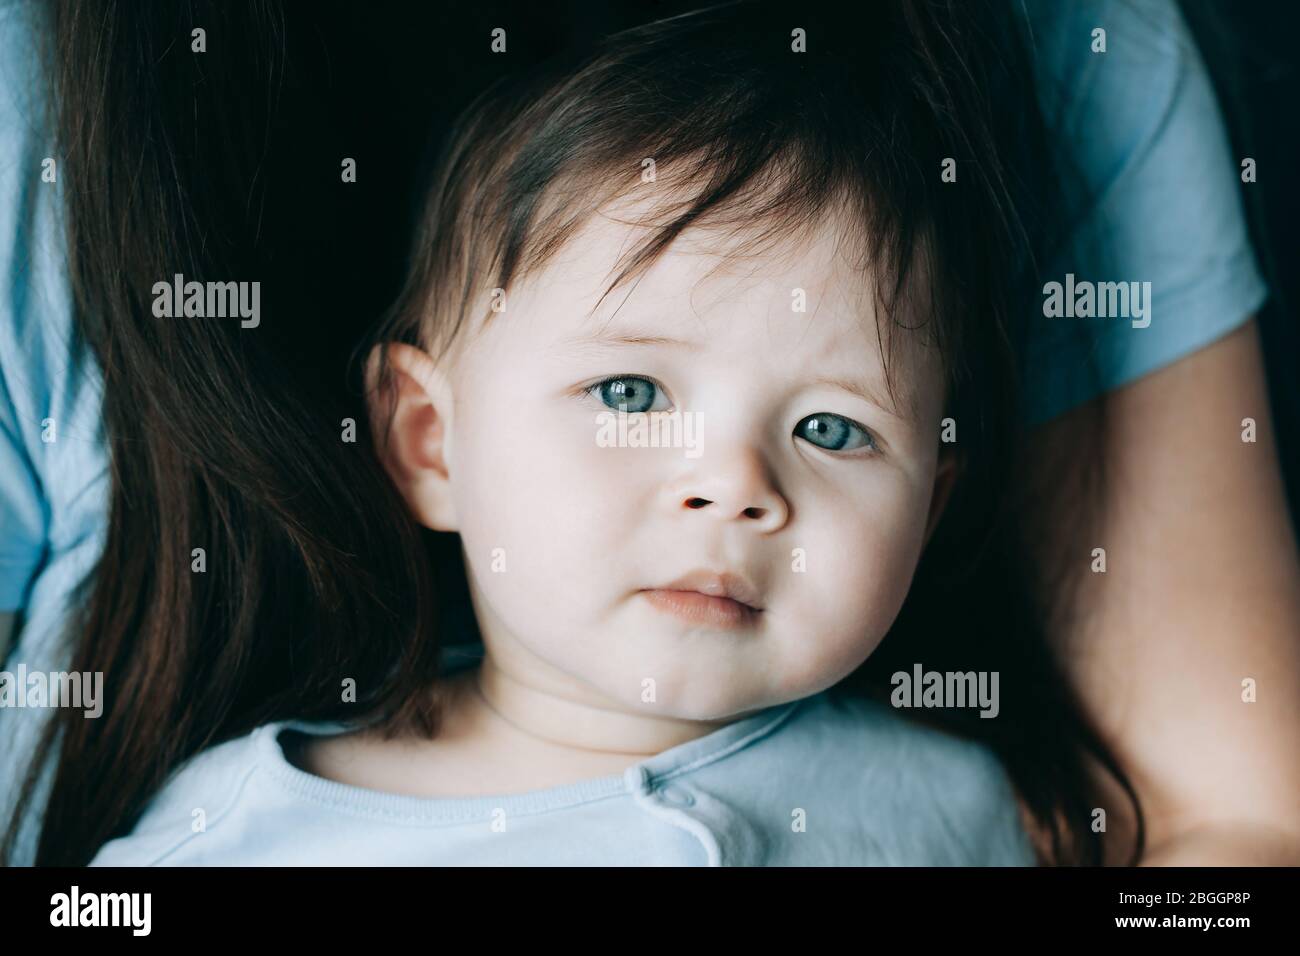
(410, 403)
(945, 478)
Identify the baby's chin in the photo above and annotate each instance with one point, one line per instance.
(709, 687)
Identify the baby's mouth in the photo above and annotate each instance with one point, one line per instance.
(719, 599)
(718, 584)
(719, 612)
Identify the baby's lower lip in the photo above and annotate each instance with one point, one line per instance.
(700, 608)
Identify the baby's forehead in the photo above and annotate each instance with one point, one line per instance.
(702, 272)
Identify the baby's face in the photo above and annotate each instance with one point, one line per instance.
(818, 499)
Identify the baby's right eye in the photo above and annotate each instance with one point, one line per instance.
(632, 391)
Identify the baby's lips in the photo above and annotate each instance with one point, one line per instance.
(726, 584)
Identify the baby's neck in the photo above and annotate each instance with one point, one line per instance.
(491, 742)
(521, 714)
(485, 736)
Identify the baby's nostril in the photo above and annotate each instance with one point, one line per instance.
(754, 512)
(696, 502)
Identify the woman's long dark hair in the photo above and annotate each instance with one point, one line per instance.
(231, 439)
(220, 438)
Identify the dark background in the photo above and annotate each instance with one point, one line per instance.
(378, 82)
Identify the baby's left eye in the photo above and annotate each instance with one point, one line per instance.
(631, 393)
(834, 432)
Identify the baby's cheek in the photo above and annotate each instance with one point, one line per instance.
(889, 564)
(851, 595)
(530, 503)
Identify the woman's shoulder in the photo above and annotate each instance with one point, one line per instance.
(1132, 110)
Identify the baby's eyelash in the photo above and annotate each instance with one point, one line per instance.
(590, 389)
(873, 447)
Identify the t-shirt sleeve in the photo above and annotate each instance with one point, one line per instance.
(1152, 197)
(22, 502)
(22, 505)
(51, 438)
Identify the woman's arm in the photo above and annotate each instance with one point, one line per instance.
(1201, 591)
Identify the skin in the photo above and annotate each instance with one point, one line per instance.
(499, 443)
(1188, 609)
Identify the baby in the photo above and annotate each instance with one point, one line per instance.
(663, 630)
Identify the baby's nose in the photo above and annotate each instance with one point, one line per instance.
(739, 490)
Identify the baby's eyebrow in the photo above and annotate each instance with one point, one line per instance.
(864, 392)
(607, 337)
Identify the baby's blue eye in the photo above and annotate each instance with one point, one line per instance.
(627, 390)
(833, 432)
